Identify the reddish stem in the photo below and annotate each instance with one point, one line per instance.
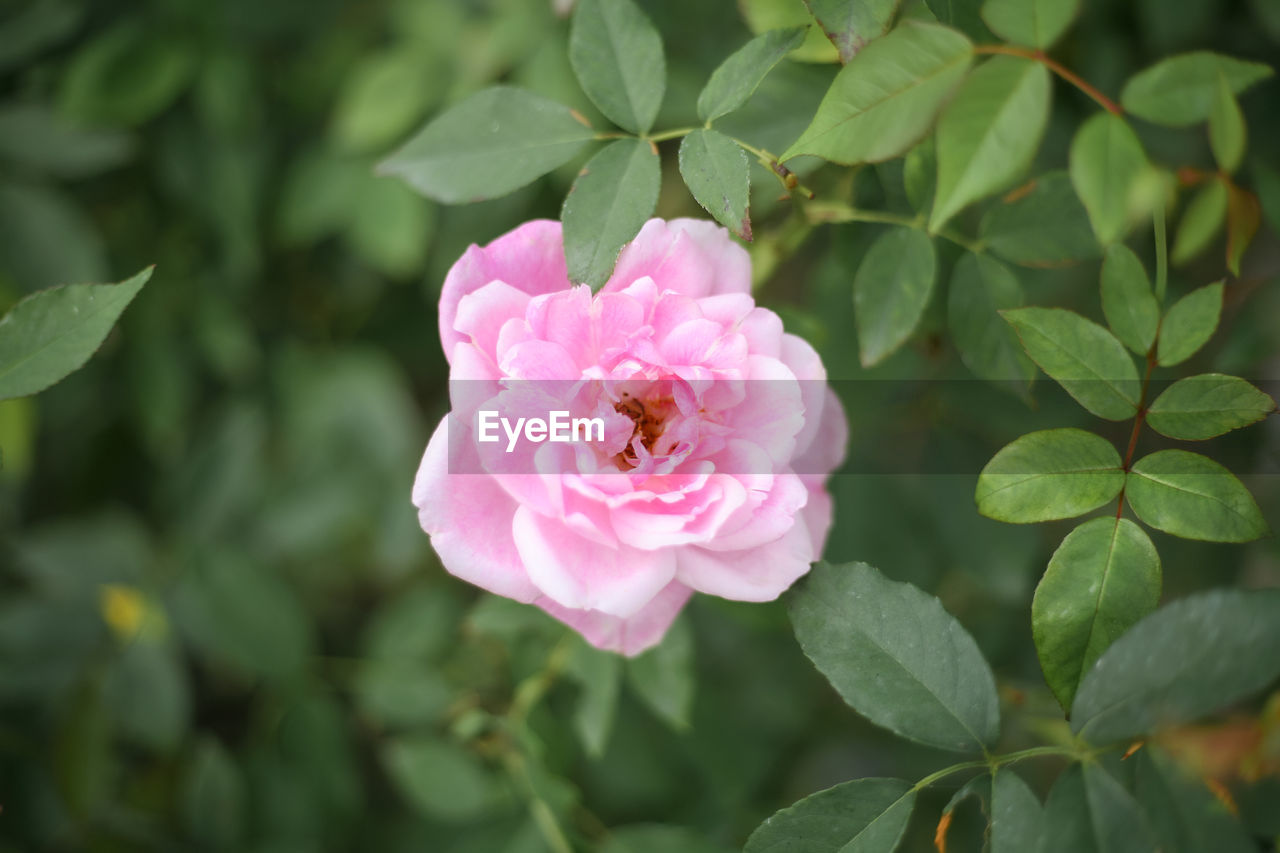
(1057, 68)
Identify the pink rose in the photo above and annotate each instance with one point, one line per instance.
(706, 472)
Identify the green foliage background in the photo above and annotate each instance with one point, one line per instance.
(220, 626)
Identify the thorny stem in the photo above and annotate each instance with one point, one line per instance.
(1057, 68)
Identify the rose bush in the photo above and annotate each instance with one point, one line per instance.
(720, 433)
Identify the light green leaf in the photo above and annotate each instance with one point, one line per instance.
(1090, 812)
(851, 25)
(53, 332)
(896, 656)
(1047, 475)
(382, 97)
(989, 133)
(737, 78)
(1200, 222)
(1192, 496)
(494, 142)
(982, 287)
(1046, 226)
(599, 677)
(862, 816)
(1107, 165)
(1103, 578)
(919, 169)
(613, 196)
(440, 780)
(663, 676)
(1127, 301)
(617, 55)
(891, 290)
(1186, 816)
(389, 226)
(1189, 324)
(718, 174)
(1206, 406)
(765, 15)
(1182, 662)
(1034, 23)
(1181, 90)
(885, 99)
(1226, 128)
(1081, 356)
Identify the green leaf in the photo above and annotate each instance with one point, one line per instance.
(1186, 816)
(617, 55)
(35, 136)
(125, 76)
(885, 99)
(663, 676)
(1034, 23)
(1048, 475)
(1244, 215)
(494, 142)
(53, 332)
(1201, 221)
(1130, 307)
(1090, 812)
(440, 780)
(612, 197)
(1016, 815)
(989, 132)
(1107, 165)
(1081, 356)
(1189, 324)
(1103, 578)
(1181, 90)
(896, 656)
(381, 98)
(389, 225)
(862, 816)
(737, 78)
(1206, 406)
(891, 290)
(647, 838)
(1226, 128)
(1182, 662)
(1046, 226)
(147, 692)
(212, 794)
(718, 174)
(964, 15)
(599, 675)
(851, 25)
(399, 693)
(918, 174)
(46, 238)
(982, 287)
(765, 15)
(1192, 496)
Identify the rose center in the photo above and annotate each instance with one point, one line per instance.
(650, 419)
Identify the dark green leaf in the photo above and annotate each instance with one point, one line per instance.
(1192, 496)
(1226, 128)
(125, 76)
(36, 137)
(862, 816)
(617, 55)
(655, 837)
(886, 98)
(1206, 406)
(896, 656)
(1044, 226)
(1047, 475)
(1103, 578)
(401, 693)
(734, 81)
(664, 677)
(53, 332)
(964, 15)
(919, 169)
(494, 142)
(1244, 215)
(981, 287)
(442, 781)
(46, 238)
(1182, 662)
(1185, 814)
(1268, 181)
(1107, 164)
(851, 25)
(718, 174)
(34, 27)
(1034, 23)
(1127, 301)
(147, 693)
(1017, 818)
(213, 796)
(1083, 357)
(989, 132)
(1090, 812)
(599, 677)
(891, 290)
(613, 196)
(1189, 324)
(1200, 222)
(1181, 90)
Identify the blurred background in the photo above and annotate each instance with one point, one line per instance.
(220, 625)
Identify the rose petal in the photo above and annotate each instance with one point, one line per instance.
(632, 635)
